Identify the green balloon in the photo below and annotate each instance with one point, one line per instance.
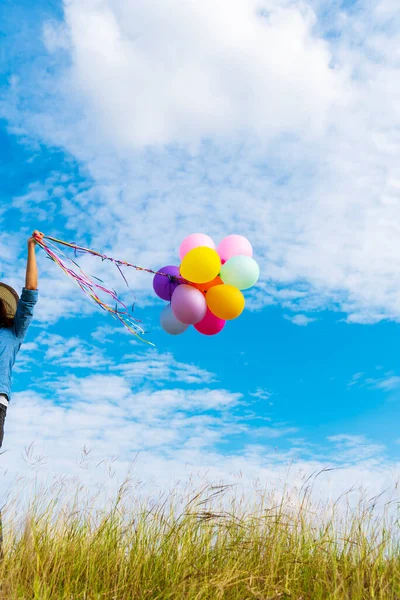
(241, 271)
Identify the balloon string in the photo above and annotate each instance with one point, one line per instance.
(89, 287)
(114, 260)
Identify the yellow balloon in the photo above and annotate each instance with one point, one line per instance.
(225, 302)
(200, 265)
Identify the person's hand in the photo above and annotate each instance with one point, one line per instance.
(33, 239)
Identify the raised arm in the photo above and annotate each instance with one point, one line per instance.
(29, 294)
(31, 280)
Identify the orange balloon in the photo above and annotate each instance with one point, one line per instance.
(225, 302)
(204, 287)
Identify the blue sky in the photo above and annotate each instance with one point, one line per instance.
(126, 132)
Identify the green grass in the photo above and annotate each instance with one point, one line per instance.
(207, 546)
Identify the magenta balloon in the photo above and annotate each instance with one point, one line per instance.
(234, 245)
(163, 286)
(188, 304)
(194, 241)
(210, 325)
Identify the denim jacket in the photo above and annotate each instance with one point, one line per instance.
(12, 338)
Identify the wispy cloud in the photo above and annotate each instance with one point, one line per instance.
(301, 320)
(261, 394)
(162, 367)
(356, 379)
(274, 432)
(388, 382)
(72, 352)
(356, 447)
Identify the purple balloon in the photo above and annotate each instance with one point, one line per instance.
(163, 286)
(188, 304)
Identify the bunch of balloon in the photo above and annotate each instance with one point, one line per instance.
(206, 290)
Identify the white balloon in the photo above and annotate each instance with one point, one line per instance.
(170, 323)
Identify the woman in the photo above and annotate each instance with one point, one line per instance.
(15, 317)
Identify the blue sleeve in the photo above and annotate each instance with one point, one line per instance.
(24, 314)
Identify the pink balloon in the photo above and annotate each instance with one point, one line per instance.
(234, 245)
(194, 241)
(188, 304)
(210, 325)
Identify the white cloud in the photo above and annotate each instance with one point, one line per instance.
(55, 36)
(356, 379)
(261, 394)
(356, 447)
(110, 388)
(274, 432)
(265, 71)
(301, 320)
(388, 382)
(106, 334)
(26, 360)
(71, 352)
(118, 390)
(162, 367)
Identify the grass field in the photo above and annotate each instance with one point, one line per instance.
(206, 546)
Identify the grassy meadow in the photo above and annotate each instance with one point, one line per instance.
(197, 546)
